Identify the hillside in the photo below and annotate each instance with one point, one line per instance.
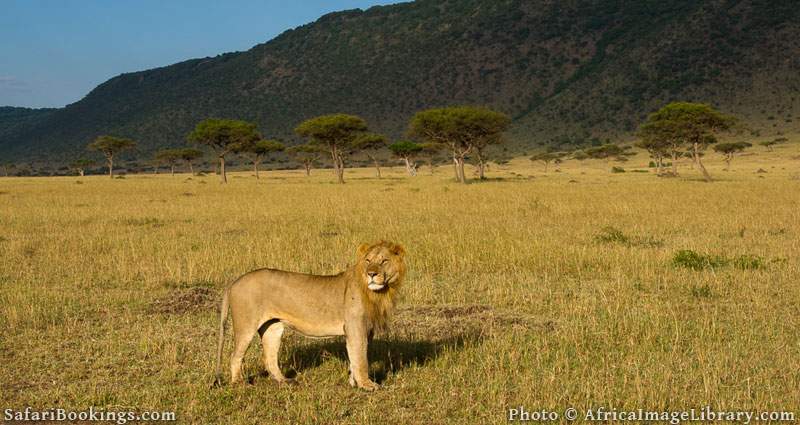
(567, 72)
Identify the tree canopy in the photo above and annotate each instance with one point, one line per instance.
(224, 136)
(336, 132)
(463, 129)
(693, 125)
(110, 146)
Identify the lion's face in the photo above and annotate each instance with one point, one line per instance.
(382, 265)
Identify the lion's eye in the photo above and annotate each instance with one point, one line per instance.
(367, 260)
(384, 261)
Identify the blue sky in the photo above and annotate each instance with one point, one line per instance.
(53, 52)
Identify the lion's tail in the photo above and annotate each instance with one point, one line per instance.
(223, 317)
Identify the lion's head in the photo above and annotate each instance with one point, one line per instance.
(381, 265)
(380, 270)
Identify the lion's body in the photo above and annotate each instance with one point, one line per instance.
(266, 301)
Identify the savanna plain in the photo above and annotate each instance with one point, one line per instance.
(545, 290)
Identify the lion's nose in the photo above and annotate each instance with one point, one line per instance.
(372, 274)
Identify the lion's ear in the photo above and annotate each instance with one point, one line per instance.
(399, 250)
(362, 250)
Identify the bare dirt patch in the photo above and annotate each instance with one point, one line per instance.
(187, 300)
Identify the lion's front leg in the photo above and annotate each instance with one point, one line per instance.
(357, 342)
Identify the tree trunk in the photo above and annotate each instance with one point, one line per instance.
(675, 163)
(546, 163)
(408, 166)
(5, 170)
(481, 165)
(728, 159)
(432, 167)
(308, 168)
(455, 167)
(255, 168)
(111, 166)
(222, 175)
(461, 176)
(696, 150)
(340, 169)
(81, 172)
(377, 167)
(338, 165)
(191, 168)
(659, 165)
(172, 170)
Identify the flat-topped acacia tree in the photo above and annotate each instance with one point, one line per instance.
(407, 150)
(306, 155)
(547, 158)
(371, 144)
(189, 156)
(694, 125)
(729, 150)
(168, 157)
(80, 165)
(223, 136)
(336, 132)
(110, 146)
(258, 150)
(464, 129)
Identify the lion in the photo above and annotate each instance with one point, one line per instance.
(355, 303)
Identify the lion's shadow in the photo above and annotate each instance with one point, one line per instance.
(387, 355)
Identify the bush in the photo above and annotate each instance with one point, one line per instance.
(616, 169)
(689, 259)
(612, 235)
(749, 262)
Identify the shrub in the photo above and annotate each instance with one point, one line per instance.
(692, 260)
(749, 262)
(612, 235)
(616, 169)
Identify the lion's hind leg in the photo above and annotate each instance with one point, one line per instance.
(271, 333)
(242, 335)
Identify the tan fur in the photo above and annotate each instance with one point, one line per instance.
(266, 301)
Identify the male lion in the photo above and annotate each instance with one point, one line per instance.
(353, 303)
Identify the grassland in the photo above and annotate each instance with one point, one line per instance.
(109, 288)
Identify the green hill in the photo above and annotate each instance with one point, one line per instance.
(568, 72)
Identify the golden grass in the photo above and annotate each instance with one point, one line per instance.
(511, 300)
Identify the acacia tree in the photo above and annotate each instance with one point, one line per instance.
(660, 140)
(488, 127)
(258, 150)
(189, 156)
(80, 165)
(223, 136)
(406, 150)
(463, 129)
(110, 146)
(306, 155)
(371, 144)
(692, 124)
(728, 150)
(429, 152)
(548, 157)
(7, 166)
(169, 157)
(336, 132)
(770, 143)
